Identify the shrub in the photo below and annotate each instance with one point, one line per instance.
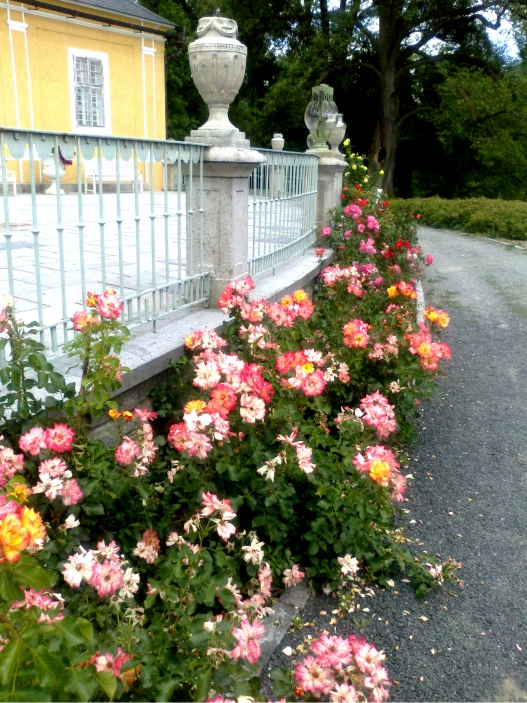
(496, 218)
(142, 571)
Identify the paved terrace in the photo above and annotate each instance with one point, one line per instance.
(150, 255)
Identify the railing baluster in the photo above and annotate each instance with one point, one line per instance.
(80, 222)
(36, 232)
(7, 224)
(102, 221)
(153, 237)
(284, 202)
(119, 219)
(60, 235)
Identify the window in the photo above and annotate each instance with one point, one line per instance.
(89, 92)
(89, 95)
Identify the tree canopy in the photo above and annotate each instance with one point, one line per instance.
(410, 77)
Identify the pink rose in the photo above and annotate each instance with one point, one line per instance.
(71, 492)
(59, 438)
(33, 441)
(126, 452)
(429, 259)
(109, 305)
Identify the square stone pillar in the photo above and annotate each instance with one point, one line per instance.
(329, 186)
(226, 172)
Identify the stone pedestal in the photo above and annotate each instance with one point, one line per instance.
(330, 171)
(226, 172)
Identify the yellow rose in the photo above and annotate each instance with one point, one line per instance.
(380, 472)
(299, 295)
(114, 414)
(20, 492)
(196, 405)
(14, 537)
(381, 172)
(354, 167)
(392, 291)
(346, 142)
(32, 522)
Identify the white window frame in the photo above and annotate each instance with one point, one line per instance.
(85, 53)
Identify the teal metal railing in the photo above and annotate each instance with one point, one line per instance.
(120, 221)
(282, 208)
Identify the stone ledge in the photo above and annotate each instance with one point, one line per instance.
(149, 353)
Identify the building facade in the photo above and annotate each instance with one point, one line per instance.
(84, 66)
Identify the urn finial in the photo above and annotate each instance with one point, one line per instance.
(217, 64)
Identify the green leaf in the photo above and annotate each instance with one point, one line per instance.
(282, 682)
(49, 669)
(107, 682)
(23, 408)
(93, 508)
(70, 630)
(166, 689)
(86, 628)
(202, 685)
(9, 591)
(81, 683)
(10, 660)
(29, 574)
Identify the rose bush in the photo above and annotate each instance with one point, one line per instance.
(142, 571)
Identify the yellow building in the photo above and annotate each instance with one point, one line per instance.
(83, 66)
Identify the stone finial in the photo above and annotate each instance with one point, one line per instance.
(277, 142)
(337, 135)
(217, 64)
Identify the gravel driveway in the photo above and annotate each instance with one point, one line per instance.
(469, 496)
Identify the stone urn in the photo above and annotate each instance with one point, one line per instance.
(277, 142)
(48, 170)
(337, 135)
(217, 64)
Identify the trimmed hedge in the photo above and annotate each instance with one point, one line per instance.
(496, 218)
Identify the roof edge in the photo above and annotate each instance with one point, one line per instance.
(118, 13)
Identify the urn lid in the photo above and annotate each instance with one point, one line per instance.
(216, 30)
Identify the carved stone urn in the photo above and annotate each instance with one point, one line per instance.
(217, 63)
(337, 135)
(277, 142)
(49, 171)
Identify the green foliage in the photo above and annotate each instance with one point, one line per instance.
(495, 218)
(32, 387)
(481, 123)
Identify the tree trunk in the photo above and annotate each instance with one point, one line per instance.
(384, 142)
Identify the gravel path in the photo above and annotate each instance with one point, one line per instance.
(469, 496)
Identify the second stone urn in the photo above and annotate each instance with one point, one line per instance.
(217, 63)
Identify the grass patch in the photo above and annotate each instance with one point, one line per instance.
(495, 218)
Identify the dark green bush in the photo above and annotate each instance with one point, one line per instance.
(496, 218)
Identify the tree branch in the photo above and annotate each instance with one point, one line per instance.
(373, 68)
(457, 58)
(421, 108)
(369, 35)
